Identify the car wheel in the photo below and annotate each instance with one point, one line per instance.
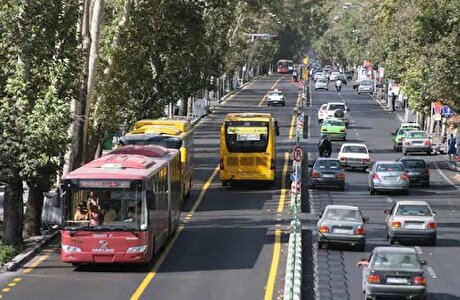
(405, 153)
(368, 297)
(327, 89)
(342, 187)
(268, 104)
(225, 183)
(359, 93)
(433, 242)
(316, 89)
(284, 104)
(426, 184)
(322, 245)
(344, 138)
(406, 192)
(428, 153)
(371, 191)
(391, 240)
(364, 169)
(361, 247)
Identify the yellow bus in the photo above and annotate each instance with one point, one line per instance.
(248, 147)
(174, 133)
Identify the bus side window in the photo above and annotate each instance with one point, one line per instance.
(150, 195)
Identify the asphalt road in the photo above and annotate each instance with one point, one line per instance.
(336, 276)
(225, 249)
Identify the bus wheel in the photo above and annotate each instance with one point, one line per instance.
(225, 183)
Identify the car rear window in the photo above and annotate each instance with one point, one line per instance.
(275, 94)
(337, 214)
(328, 164)
(336, 106)
(414, 164)
(321, 80)
(413, 210)
(333, 123)
(417, 135)
(396, 261)
(389, 167)
(354, 149)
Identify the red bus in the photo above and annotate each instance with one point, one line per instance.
(284, 66)
(122, 207)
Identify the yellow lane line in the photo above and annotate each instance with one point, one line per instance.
(271, 88)
(291, 129)
(283, 184)
(297, 104)
(168, 248)
(269, 289)
(274, 266)
(39, 260)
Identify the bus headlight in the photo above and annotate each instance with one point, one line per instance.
(136, 249)
(70, 249)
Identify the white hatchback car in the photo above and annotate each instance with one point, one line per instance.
(331, 109)
(319, 75)
(334, 76)
(354, 156)
(321, 84)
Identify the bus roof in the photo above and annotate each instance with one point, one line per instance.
(248, 116)
(152, 151)
(180, 124)
(156, 129)
(129, 162)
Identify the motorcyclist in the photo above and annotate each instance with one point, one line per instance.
(338, 85)
(325, 146)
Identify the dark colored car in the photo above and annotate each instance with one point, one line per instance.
(393, 272)
(417, 170)
(327, 172)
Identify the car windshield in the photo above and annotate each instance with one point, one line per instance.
(333, 123)
(336, 106)
(366, 83)
(413, 210)
(354, 149)
(275, 94)
(417, 135)
(341, 214)
(389, 260)
(327, 164)
(414, 164)
(321, 81)
(388, 167)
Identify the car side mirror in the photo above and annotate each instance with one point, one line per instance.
(362, 263)
(387, 211)
(318, 216)
(434, 213)
(393, 134)
(368, 170)
(365, 219)
(348, 109)
(423, 262)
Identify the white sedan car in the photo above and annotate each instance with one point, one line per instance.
(322, 113)
(319, 75)
(354, 156)
(321, 84)
(334, 76)
(276, 97)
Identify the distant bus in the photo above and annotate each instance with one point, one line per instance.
(173, 133)
(121, 208)
(284, 66)
(247, 147)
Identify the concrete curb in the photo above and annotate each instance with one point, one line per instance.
(29, 252)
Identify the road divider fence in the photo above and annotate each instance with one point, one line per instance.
(293, 278)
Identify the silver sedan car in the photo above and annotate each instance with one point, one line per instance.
(393, 271)
(388, 176)
(341, 224)
(416, 141)
(411, 220)
(321, 84)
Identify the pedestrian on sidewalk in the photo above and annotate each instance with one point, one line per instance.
(393, 100)
(451, 146)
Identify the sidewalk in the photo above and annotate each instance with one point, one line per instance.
(400, 114)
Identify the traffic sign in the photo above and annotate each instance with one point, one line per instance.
(295, 187)
(297, 154)
(438, 107)
(294, 177)
(447, 111)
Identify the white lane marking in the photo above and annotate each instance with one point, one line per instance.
(389, 199)
(418, 249)
(431, 272)
(445, 177)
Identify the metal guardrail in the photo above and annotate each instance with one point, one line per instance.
(293, 278)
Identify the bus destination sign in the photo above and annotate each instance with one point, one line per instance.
(120, 184)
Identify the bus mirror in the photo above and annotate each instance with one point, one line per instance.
(183, 154)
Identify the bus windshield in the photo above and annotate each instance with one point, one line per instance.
(107, 208)
(246, 136)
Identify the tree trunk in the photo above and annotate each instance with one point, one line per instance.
(33, 215)
(95, 32)
(73, 157)
(183, 106)
(13, 212)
